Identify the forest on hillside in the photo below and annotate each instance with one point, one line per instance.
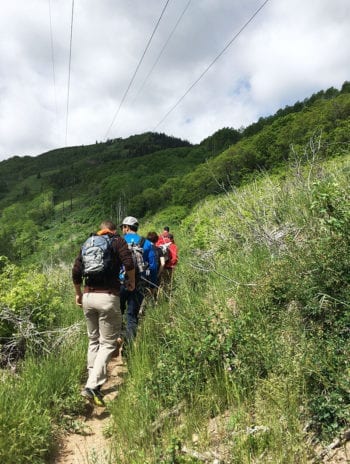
(150, 172)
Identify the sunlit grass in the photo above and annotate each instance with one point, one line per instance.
(233, 346)
(34, 400)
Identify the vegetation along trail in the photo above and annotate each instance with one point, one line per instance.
(89, 443)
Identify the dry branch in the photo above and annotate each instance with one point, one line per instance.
(345, 437)
(26, 333)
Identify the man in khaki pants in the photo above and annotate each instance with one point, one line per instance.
(100, 300)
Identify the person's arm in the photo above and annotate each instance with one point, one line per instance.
(173, 255)
(127, 261)
(77, 280)
(162, 265)
(78, 295)
(130, 281)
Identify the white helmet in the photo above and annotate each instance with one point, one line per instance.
(130, 221)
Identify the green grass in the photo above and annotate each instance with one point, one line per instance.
(34, 400)
(254, 336)
(45, 386)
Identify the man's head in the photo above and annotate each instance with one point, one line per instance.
(129, 223)
(108, 225)
(152, 237)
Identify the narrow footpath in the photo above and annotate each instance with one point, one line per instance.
(89, 445)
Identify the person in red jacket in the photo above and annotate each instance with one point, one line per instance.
(170, 249)
(173, 258)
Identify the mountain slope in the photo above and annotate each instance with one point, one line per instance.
(148, 173)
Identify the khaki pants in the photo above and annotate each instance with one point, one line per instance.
(103, 321)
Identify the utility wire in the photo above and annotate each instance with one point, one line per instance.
(137, 68)
(53, 62)
(69, 68)
(162, 50)
(210, 65)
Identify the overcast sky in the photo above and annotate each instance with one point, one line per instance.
(290, 49)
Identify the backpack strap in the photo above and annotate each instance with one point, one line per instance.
(141, 242)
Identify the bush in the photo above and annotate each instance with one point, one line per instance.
(29, 296)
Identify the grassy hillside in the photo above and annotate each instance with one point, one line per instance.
(250, 355)
(247, 358)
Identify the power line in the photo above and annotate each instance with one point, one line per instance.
(53, 62)
(69, 68)
(162, 50)
(135, 72)
(210, 65)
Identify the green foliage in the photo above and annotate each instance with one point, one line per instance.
(258, 323)
(26, 292)
(172, 215)
(42, 208)
(36, 398)
(330, 204)
(221, 140)
(39, 313)
(26, 240)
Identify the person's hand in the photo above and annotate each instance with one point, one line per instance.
(79, 299)
(130, 285)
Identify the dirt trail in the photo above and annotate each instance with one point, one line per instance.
(90, 445)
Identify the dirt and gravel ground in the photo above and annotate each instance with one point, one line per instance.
(90, 445)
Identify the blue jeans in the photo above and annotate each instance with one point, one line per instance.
(130, 302)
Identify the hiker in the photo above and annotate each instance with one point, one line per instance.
(173, 252)
(163, 238)
(100, 300)
(170, 252)
(130, 301)
(165, 232)
(153, 238)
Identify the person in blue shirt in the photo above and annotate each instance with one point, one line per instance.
(130, 301)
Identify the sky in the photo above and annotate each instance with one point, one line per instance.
(85, 71)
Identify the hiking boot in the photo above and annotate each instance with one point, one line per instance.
(94, 395)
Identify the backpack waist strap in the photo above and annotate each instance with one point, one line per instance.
(111, 291)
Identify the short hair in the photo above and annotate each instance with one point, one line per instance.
(152, 237)
(166, 228)
(108, 225)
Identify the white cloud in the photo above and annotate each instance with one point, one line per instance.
(289, 51)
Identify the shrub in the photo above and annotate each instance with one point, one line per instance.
(29, 296)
